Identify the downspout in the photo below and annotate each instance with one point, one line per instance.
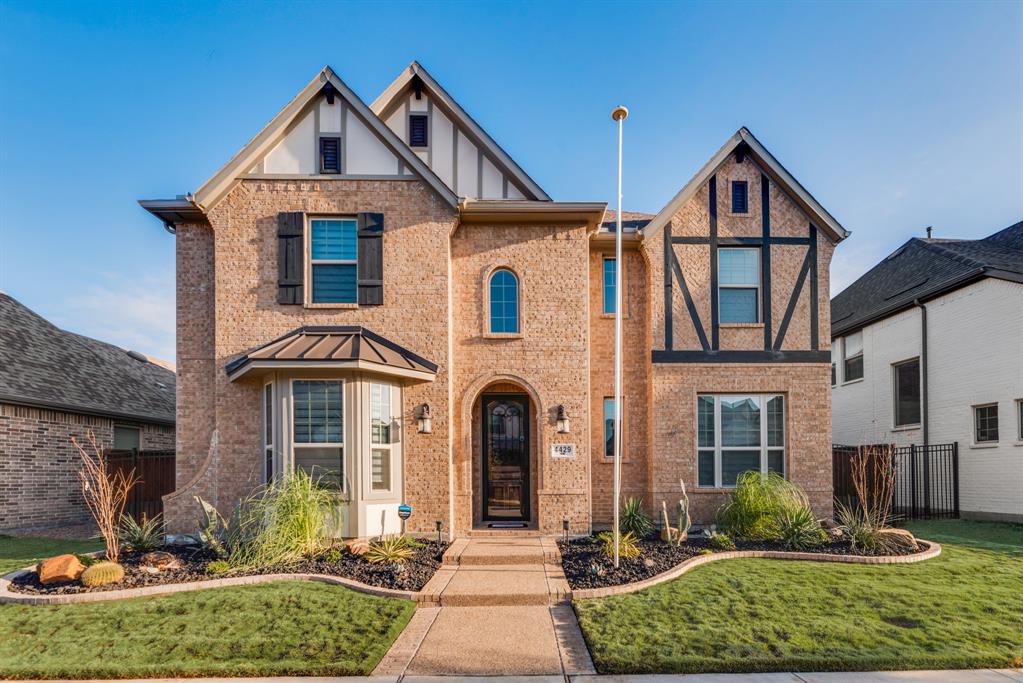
(923, 373)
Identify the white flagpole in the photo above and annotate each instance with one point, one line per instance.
(618, 115)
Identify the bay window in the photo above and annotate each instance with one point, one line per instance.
(268, 432)
(318, 430)
(739, 433)
(382, 437)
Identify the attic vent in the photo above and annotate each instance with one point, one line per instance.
(330, 155)
(138, 356)
(417, 130)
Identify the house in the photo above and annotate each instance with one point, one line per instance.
(382, 295)
(55, 385)
(928, 349)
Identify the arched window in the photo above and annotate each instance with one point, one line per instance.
(504, 302)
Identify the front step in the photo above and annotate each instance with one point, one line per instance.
(502, 551)
(502, 585)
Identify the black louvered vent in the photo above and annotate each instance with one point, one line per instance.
(417, 130)
(740, 196)
(330, 155)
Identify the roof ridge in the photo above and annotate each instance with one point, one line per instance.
(950, 253)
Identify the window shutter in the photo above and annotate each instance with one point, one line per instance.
(290, 266)
(417, 130)
(330, 155)
(371, 259)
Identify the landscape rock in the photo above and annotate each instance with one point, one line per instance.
(160, 561)
(901, 538)
(357, 546)
(60, 569)
(668, 533)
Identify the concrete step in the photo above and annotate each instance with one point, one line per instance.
(496, 585)
(500, 551)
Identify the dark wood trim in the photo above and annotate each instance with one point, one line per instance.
(713, 201)
(765, 259)
(669, 256)
(694, 315)
(743, 241)
(741, 356)
(793, 300)
(814, 304)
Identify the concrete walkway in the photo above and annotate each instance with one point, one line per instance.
(496, 606)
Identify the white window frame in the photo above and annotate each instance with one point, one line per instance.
(294, 444)
(518, 302)
(758, 287)
(310, 261)
(846, 359)
(990, 442)
(603, 287)
(1019, 421)
(895, 394)
(762, 400)
(393, 447)
(835, 364)
(268, 419)
(603, 424)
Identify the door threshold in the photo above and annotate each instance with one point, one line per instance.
(507, 525)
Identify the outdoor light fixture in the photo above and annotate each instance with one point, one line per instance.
(440, 525)
(564, 527)
(564, 424)
(425, 422)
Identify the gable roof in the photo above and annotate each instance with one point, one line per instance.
(480, 137)
(922, 269)
(42, 365)
(774, 169)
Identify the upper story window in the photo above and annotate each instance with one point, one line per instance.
(834, 361)
(736, 434)
(739, 285)
(608, 276)
(985, 423)
(318, 430)
(330, 154)
(1019, 417)
(609, 426)
(906, 392)
(852, 349)
(334, 261)
(504, 302)
(418, 130)
(740, 196)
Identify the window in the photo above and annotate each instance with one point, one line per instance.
(906, 383)
(834, 362)
(380, 436)
(126, 438)
(418, 130)
(609, 285)
(1019, 417)
(609, 427)
(268, 432)
(740, 196)
(739, 285)
(330, 155)
(318, 430)
(852, 366)
(736, 434)
(504, 302)
(985, 423)
(334, 260)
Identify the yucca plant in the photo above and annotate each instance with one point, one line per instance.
(392, 550)
(800, 529)
(141, 537)
(634, 519)
(628, 544)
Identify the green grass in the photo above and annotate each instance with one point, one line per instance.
(960, 610)
(16, 553)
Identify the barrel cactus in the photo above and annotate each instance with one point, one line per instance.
(102, 573)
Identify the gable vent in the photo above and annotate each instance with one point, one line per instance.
(330, 155)
(417, 130)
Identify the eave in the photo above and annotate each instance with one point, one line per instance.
(174, 211)
(489, 211)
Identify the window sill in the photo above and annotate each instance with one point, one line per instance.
(502, 335)
(986, 444)
(609, 460)
(328, 305)
(713, 489)
(906, 428)
(852, 381)
(741, 326)
(611, 316)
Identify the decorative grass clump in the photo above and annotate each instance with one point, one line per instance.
(760, 505)
(628, 544)
(634, 519)
(101, 574)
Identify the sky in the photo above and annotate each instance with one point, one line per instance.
(894, 115)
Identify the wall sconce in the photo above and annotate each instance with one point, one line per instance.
(425, 422)
(564, 423)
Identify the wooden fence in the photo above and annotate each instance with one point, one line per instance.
(155, 470)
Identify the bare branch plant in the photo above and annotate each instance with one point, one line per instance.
(105, 492)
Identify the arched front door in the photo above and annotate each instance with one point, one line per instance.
(505, 458)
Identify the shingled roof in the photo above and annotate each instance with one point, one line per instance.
(43, 365)
(923, 269)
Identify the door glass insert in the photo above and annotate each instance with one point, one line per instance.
(506, 458)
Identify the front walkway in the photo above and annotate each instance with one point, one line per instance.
(496, 606)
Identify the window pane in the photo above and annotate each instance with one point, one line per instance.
(269, 464)
(833, 374)
(907, 393)
(380, 469)
(380, 413)
(334, 240)
(986, 423)
(738, 305)
(776, 462)
(706, 468)
(734, 463)
(268, 414)
(609, 285)
(335, 284)
(317, 412)
(609, 427)
(126, 438)
(705, 411)
(323, 464)
(504, 302)
(740, 421)
(854, 344)
(739, 267)
(776, 421)
(854, 368)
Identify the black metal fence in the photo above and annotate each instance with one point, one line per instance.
(155, 471)
(926, 479)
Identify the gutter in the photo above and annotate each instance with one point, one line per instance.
(97, 412)
(476, 211)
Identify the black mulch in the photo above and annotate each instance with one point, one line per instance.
(411, 576)
(586, 567)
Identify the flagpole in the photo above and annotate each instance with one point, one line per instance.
(619, 114)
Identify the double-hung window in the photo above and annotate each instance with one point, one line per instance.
(334, 260)
(985, 423)
(318, 430)
(268, 432)
(608, 275)
(736, 434)
(381, 437)
(834, 361)
(906, 390)
(739, 285)
(852, 350)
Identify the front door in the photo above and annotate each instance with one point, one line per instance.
(505, 458)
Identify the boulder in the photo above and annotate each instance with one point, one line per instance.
(357, 546)
(668, 534)
(59, 569)
(901, 538)
(160, 561)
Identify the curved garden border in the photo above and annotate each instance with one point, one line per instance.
(931, 550)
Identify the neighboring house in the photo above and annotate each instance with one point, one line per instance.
(927, 349)
(55, 385)
(381, 295)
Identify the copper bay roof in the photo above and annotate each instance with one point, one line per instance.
(346, 347)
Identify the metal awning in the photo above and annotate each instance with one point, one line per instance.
(334, 348)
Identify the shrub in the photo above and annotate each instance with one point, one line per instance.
(392, 550)
(864, 522)
(721, 541)
(754, 508)
(333, 555)
(141, 537)
(800, 529)
(628, 544)
(101, 573)
(218, 567)
(634, 519)
(105, 492)
(862, 530)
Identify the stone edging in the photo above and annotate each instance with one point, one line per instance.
(931, 550)
(9, 596)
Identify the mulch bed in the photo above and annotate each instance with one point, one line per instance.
(411, 576)
(586, 567)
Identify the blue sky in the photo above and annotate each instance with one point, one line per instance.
(894, 115)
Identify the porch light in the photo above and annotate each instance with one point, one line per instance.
(425, 422)
(564, 424)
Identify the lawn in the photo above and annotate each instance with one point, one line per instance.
(285, 628)
(16, 553)
(960, 610)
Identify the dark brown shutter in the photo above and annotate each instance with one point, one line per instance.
(371, 259)
(290, 266)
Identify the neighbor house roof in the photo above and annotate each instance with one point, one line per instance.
(771, 166)
(922, 269)
(42, 365)
(341, 347)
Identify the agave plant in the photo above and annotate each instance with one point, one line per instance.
(141, 537)
(634, 519)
